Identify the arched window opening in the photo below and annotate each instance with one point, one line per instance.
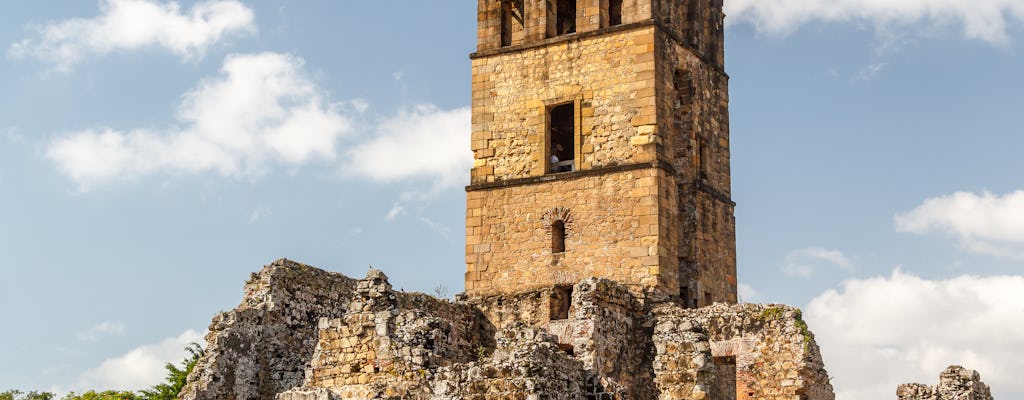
(562, 136)
(565, 16)
(512, 25)
(558, 237)
(614, 12)
(561, 302)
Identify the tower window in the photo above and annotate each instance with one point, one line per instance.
(511, 22)
(561, 302)
(558, 237)
(614, 12)
(565, 16)
(562, 136)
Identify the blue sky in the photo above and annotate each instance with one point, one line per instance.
(153, 155)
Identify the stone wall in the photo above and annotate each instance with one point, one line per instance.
(527, 364)
(695, 95)
(388, 344)
(650, 101)
(955, 383)
(683, 367)
(263, 347)
(775, 354)
(536, 21)
(305, 334)
(612, 232)
(608, 78)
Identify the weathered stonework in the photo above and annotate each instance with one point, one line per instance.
(649, 187)
(771, 349)
(263, 347)
(585, 263)
(955, 383)
(339, 338)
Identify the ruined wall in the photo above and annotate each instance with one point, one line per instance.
(305, 334)
(389, 344)
(683, 366)
(527, 364)
(774, 351)
(612, 224)
(955, 383)
(264, 346)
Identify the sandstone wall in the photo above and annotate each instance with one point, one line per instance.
(264, 346)
(608, 78)
(536, 23)
(612, 222)
(649, 94)
(527, 364)
(955, 383)
(694, 97)
(774, 351)
(388, 344)
(683, 368)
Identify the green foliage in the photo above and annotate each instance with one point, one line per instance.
(18, 395)
(771, 313)
(175, 377)
(168, 390)
(107, 395)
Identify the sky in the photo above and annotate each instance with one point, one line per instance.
(154, 153)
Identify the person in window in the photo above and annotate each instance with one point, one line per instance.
(556, 165)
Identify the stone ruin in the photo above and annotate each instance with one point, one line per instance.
(955, 383)
(301, 333)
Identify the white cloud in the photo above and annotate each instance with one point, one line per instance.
(261, 111)
(748, 294)
(877, 333)
(423, 143)
(395, 211)
(985, 223)
(985, 20)
(258, 213)
(438, 228)
(134, 24)
(140, 367)
(101, 330)
(869, 72)
(806, 262)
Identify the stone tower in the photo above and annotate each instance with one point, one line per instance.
(601, 147)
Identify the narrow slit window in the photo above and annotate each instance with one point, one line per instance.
(702, 156)
(562, 136)
(693, 21)
(565, 16)
(561, 302)
(558, 237)
(614, 12)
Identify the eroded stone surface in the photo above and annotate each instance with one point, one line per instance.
(592, 340)
(263, 347)
(955, 383)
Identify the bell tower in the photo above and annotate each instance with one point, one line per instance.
(601, 148)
